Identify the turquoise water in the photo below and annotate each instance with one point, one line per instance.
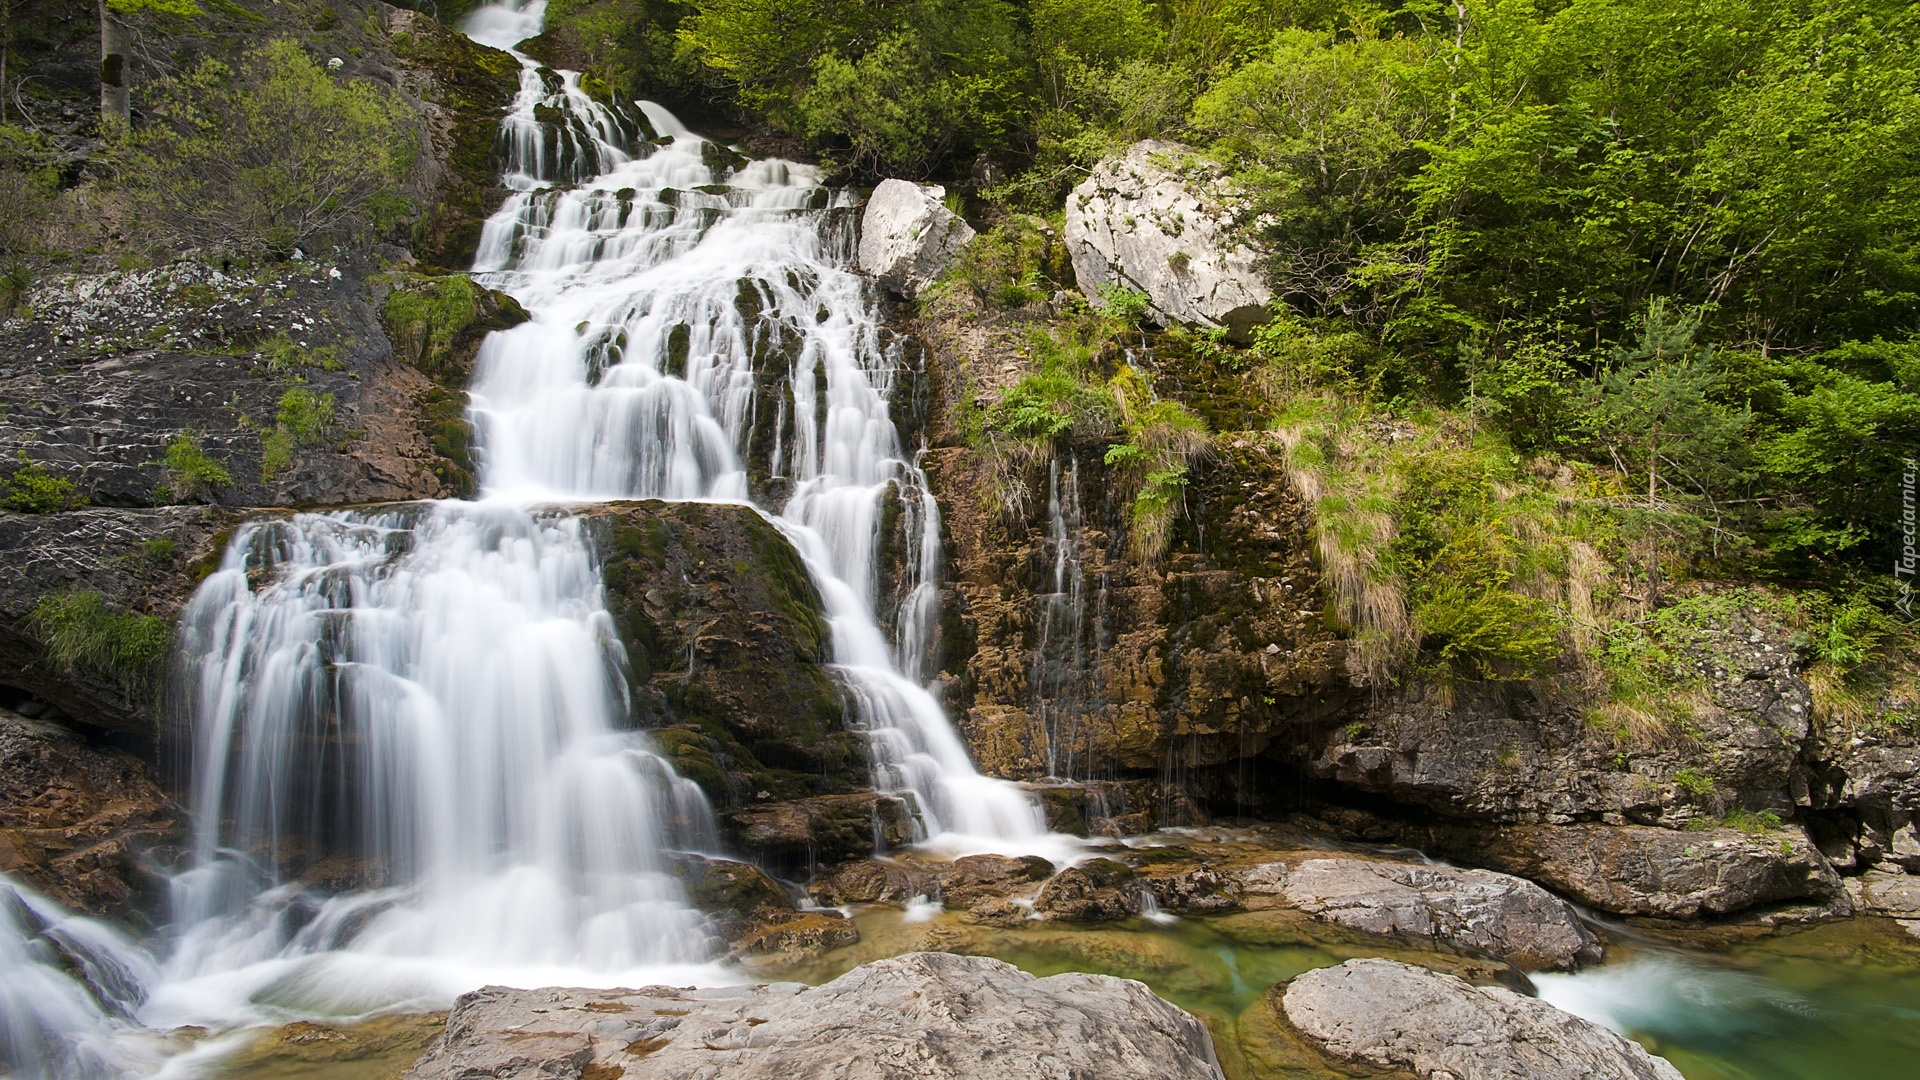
(1838, 1002)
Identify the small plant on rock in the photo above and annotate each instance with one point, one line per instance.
(303, 418)
(192, 475)
(32, 489)
(82, 634)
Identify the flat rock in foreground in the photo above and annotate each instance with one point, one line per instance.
(930, 1016)
(1396, 1016)
(1479, 910)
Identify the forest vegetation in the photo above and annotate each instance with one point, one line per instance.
(1576, 303)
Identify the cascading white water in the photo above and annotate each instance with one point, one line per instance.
(1060, 662)
(429, 704)
(68, 987)
(685, 303)
(435, 698)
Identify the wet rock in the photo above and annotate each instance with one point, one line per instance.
(907, 236)
(961, 883)
(1202, 890)
(140, 563)
(872, 881)
(87, 827)
(1209, 659)
(1667, 873)
(1160, 221)
(735, 895)
(459, 87)
(1391, 1015)
(977, 877)
(1476, 910)
(1892, 896)
(826, 828)
(933, 1016)
(1099, 890)
(996, 911)
(727, 654)
(798, 936)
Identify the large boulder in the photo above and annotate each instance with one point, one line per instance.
(932, 1016)
(1159, 220)
(1666, 873)
(727, 658)
(1391, 1015)
(907, 236)
(1476, 910)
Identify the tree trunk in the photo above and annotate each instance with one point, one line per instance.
(115, 107)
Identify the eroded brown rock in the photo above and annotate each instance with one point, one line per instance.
(87, 827)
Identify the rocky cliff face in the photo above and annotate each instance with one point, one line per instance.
(1216, 678)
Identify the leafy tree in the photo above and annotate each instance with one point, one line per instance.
(1653, 412)
(269, 155)
(1327, 134)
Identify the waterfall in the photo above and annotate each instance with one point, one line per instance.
(681, 300)
(413, 767)
(432, 698)
(1060, 670)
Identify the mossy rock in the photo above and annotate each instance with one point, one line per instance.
(726, 651)
(724, 887)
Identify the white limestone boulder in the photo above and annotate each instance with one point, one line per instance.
(1391, 1015)
(930, 1016)
(907, 236)
(1161, 221)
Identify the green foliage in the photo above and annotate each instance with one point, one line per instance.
(1457, 553)
(29, 181)
(304, 414)
(1059, 400)
(33, 489)
(192, 474)
(1164, 440)
(1327, 131)
(1653, 412)
(269, 154)
(628, 46)
(80, 633)
(302, 419)
(1123, 305)
(1694, 782)
(1020, 260)
(425, 317)
(285, 354)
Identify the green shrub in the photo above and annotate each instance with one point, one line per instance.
(304, 415)
(303, 418)
(268, 154)
(81, 634)
(1126, 306)
(1694, 782)
(32, 489)
(424, 319)
(191, 473)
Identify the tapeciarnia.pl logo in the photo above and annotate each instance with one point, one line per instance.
(1903, 567)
